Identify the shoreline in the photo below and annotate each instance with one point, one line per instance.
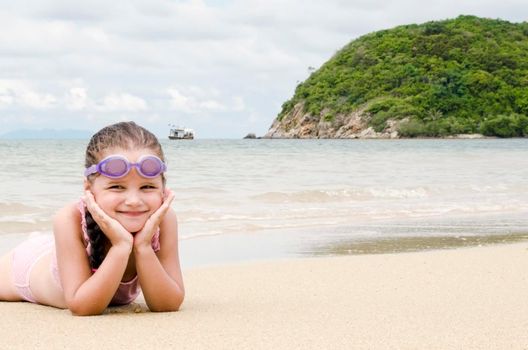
(469, 298)
(279, 245)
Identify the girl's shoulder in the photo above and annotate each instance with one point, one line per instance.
(68, 218)
(68, 231)
(69, 211)
(170, 218)
(171, 214)
(169, 224)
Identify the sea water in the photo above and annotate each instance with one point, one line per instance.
(268, 198)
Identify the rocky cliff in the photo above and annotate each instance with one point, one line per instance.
(299, 124)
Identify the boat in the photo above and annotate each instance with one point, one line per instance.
(180, 133)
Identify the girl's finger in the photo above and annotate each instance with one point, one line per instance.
(157, 216)
(168, 197)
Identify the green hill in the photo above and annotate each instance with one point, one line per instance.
(459, 76)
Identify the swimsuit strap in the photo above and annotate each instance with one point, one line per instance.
(81, 206)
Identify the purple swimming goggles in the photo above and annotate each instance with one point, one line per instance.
(117, 166)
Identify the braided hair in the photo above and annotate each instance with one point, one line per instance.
(126, 135)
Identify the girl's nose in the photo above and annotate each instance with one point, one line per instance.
(132, 198)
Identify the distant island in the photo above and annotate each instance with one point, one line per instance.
(466, 76)
(46, 134)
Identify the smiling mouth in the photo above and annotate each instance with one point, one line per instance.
(132, 213)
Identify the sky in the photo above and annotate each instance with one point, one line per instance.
(221, 67)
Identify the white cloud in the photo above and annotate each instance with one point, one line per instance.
(122, 102)
(5, 100)
(180, 102)
(196, 103)
(212, 105)
(35, 100)
(21, 94)
(77, 99)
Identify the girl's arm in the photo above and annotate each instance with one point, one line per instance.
(84, 293)
(160, 275)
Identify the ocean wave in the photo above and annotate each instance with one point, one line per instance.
(303, 217)
(371, 193)
(341, 195)
(10, 208)
(183, 237)
(24, 227)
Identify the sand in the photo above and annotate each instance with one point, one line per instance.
(467, 298)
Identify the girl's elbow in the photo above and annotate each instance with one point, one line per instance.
(86, 312)
(84, 309)
(172, 306)
(179, 301)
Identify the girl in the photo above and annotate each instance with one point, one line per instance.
(122, 234)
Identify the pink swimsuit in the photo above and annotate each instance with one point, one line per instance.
(26, 255)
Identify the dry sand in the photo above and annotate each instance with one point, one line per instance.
(468, 298)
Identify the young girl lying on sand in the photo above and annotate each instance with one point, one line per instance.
(120, 235)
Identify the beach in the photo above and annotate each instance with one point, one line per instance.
(305, 244)
(465, 298)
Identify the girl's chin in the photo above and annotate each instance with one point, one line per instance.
(133, 228)
(132, 224)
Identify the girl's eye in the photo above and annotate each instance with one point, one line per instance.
(115, 187)
(148, 187)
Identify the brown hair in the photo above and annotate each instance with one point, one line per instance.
(127, 135)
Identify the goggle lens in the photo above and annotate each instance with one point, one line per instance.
(150, 167)
(114, 167)
(117, 166)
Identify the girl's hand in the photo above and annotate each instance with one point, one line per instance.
(144, 237)
(112, 229)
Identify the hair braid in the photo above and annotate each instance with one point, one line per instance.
(97, 241)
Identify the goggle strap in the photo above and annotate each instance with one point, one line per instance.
(90, 170)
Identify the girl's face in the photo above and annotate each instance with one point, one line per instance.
(132, 199)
